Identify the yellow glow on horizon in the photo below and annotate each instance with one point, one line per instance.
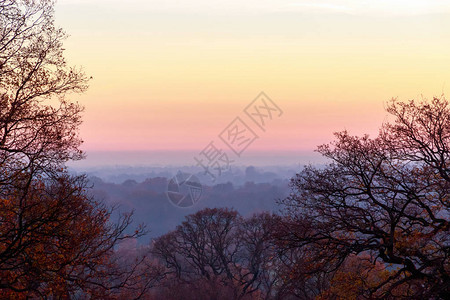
(171, 77)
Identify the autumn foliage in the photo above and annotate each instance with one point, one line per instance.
(372, 224)
(385, 198)
(55, 241)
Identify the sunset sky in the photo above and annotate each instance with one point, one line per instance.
(171, 75)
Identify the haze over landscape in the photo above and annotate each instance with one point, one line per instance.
(217, 150)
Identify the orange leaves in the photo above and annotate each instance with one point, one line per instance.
(391, 193)
(355, 279)
(50, 231)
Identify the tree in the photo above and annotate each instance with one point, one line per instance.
(35, 136)
(216, 254)
(258, 256)
(386, 198)
(354, 278)
(55, 241)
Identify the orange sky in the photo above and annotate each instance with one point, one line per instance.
(173, 74)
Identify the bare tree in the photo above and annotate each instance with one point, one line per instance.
(258, 255)
(222, 254)
(38, 125)
(386, 197)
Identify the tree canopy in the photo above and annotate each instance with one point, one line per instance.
(55, 240)
(373, 223)
(385, 198)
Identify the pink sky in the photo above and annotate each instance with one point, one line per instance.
(172, 77)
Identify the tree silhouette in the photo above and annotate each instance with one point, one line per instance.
(217, 254)
(55, 241)
(35, 136)
(385, 198)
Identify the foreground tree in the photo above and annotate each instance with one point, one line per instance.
(385, 198)
(55, 241)
(35, 136)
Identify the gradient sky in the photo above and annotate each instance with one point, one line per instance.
(171, 75)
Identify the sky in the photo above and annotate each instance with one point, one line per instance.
(172, 75)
